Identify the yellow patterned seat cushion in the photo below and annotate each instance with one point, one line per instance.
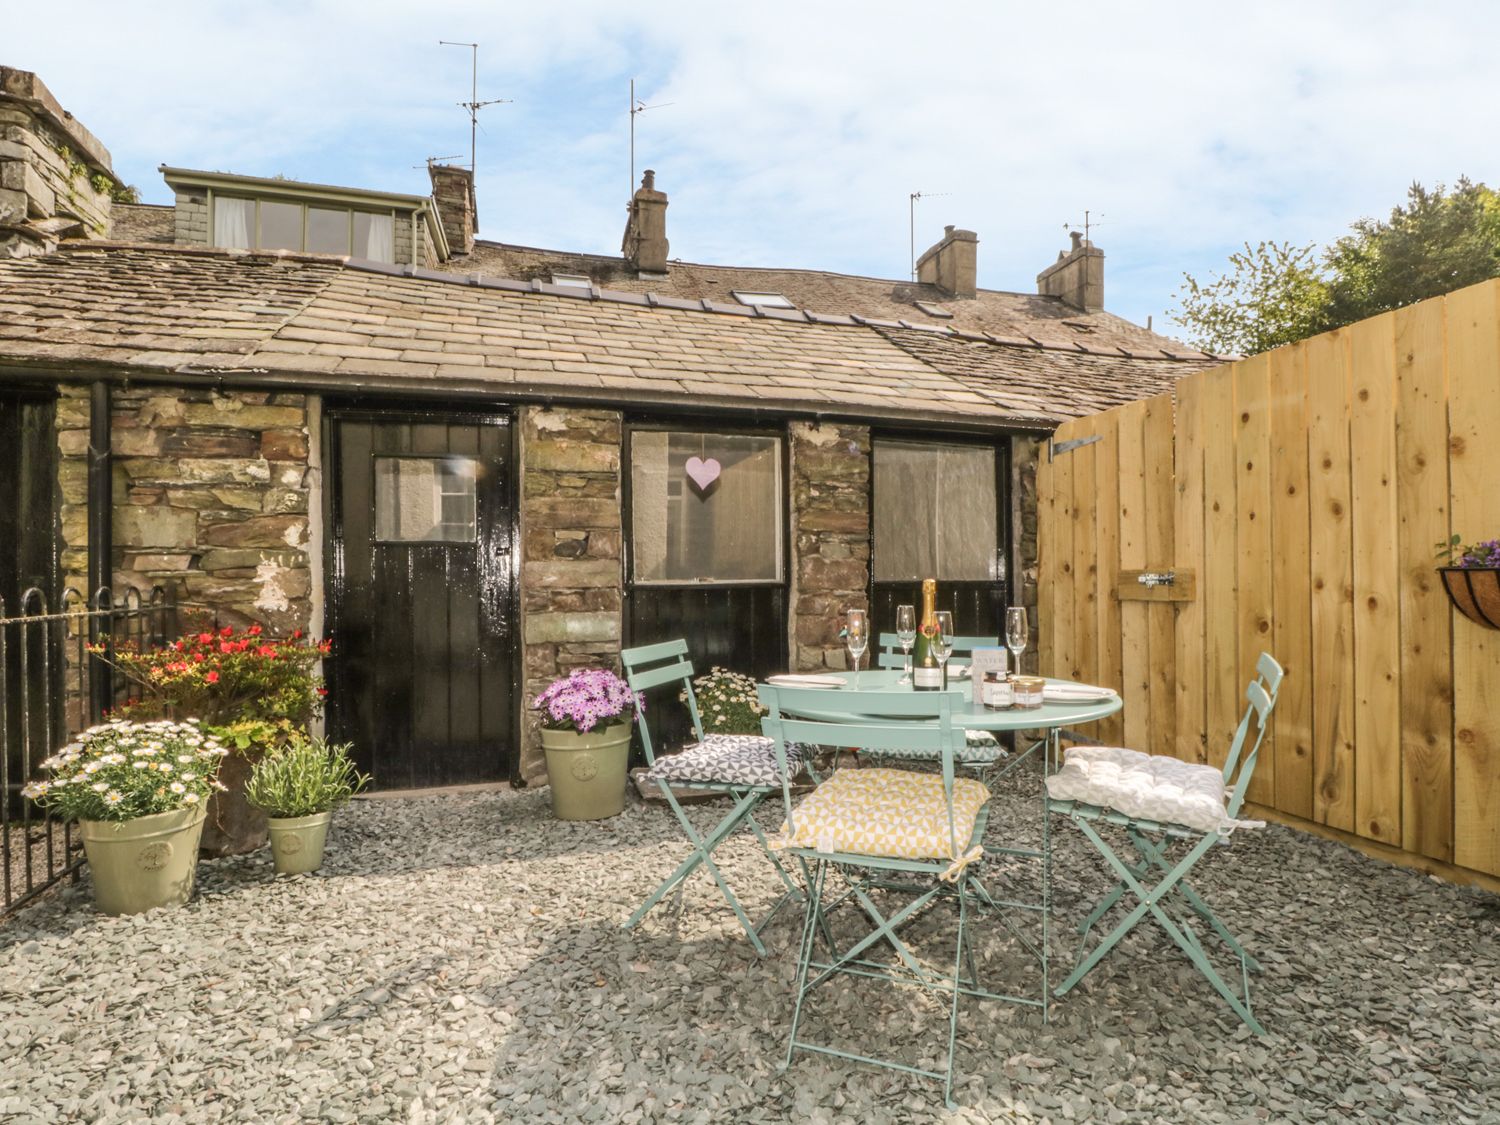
(886, 812)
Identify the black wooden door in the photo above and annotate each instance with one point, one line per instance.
(941, 510)
(421, 596)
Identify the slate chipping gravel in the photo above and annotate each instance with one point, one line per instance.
(460, 959)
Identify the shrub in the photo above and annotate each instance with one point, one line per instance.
(223, 677)
(727, 703)
(121, 770)
(303, 777)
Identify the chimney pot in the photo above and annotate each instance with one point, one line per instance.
(645, 243)
(1077, 276)
(951, 264)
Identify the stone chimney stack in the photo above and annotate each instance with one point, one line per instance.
(645, 244)
(951, 265)
(453, 191)
(1077, 276)
(56, 181)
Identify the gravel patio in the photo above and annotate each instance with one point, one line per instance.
(460, 959)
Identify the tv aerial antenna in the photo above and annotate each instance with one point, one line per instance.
(1089, 223)
(473, 105)
(637, 106)
(912, 224)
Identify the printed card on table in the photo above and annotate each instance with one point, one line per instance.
(986, 660)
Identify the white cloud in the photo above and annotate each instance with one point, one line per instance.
(797, 130)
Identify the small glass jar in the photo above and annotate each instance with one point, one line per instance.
(997, 692)
(1028, 691)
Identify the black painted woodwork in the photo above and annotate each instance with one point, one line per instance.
(423, 673)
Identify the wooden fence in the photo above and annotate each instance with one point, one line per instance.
(1299, 496)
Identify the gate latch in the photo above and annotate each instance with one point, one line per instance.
(1153, 578)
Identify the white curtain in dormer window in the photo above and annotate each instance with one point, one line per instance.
(374, 237)
(233, 219)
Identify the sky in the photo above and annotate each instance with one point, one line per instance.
(793, 134)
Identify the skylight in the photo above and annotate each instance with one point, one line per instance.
(934, 310)
(576, 280)
(763, 300)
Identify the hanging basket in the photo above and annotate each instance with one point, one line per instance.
(1474, 592)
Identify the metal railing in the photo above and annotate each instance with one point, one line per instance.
(52, 687)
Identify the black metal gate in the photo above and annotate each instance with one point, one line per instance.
(51, 688)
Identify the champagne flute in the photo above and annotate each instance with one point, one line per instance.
(942, 643)
(1016, 633)
(857, 637)
(906, 633)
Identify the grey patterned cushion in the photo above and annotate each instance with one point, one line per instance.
(727, 759)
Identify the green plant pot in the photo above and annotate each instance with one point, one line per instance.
(587, 771)
(143, 863)
(297, 842)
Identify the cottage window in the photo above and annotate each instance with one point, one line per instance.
(935, 512)
(705, 508)
(762, 300)
(425, 499)
(272, 224)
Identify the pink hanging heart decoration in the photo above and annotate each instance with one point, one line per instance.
(702, 472)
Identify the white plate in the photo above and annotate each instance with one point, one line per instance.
(794, 679)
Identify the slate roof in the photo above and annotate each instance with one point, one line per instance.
(328, 323)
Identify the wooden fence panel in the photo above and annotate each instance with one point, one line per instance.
(1306, 490)
(1426, 633)
(1187, 531)
(1291, 591)
(1473, 331)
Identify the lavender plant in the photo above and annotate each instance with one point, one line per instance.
(585, 699)
(1453, 552)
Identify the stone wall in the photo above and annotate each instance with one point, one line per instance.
(830, 488)
(572, 588)
(55, 176)
(190, 216)
(211, 495)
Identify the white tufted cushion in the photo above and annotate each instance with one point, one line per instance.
(1145, 786)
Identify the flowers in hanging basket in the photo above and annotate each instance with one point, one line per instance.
(223, 676)
(726, 703)
(585, 699)
(121, 770)
(1453, 552)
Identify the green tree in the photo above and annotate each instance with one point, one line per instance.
(1275, 293)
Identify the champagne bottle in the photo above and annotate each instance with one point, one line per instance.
(926, 672)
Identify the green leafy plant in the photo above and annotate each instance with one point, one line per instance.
(727, 703)
(254, 736)
(1453, 552)
(120, 771)
(221, 676)
(303, 777)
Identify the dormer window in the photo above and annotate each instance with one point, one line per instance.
(935, 311)
(274, 224)
(573, 280)
(762, 300)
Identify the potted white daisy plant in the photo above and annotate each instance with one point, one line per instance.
(138, 792)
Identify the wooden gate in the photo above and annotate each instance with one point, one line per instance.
(1298, 496)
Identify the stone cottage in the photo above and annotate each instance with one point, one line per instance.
(477, 464)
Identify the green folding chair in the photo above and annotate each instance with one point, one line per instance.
(1171, 900)
(941, 839)
(743, 767)
(891, 655)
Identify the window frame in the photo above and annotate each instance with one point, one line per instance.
(384, 541)
(716, 427)
(999, 444)
(774, 300)
(306, 204)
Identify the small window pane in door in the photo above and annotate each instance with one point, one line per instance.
(327, 231)
(935, 512)
(280, 226)
(727, 529)
(425, 500)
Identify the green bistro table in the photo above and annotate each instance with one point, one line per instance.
(1050, 719)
